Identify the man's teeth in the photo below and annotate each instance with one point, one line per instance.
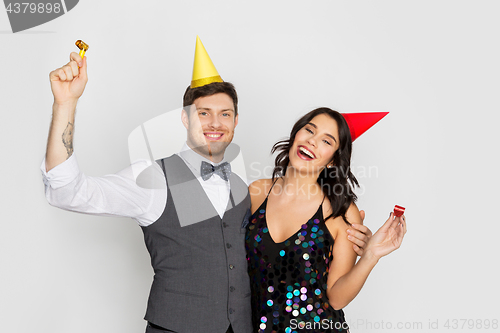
(307, 152)
(214, 135)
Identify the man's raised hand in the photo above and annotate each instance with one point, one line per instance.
(68, 82)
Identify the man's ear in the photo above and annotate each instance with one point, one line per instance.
(185, 118)
(235, 120)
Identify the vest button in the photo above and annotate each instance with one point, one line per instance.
(228, 245)
(224, 224)
(231, 310)
(231, 266)
(231, 289)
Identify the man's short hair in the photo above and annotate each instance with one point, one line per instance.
(227, 88)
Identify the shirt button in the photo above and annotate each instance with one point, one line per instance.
(231, 266)
(231, 289)
(228, 245)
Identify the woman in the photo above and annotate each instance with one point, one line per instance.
(301, 263)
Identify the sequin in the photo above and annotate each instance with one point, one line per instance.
(289, 279)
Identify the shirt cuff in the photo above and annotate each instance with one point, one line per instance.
(62, 174)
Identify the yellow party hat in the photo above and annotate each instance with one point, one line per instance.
(204, 71)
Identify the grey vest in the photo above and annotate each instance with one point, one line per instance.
(201, 282)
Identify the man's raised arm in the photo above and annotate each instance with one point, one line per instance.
(67, 84)
(67, 187)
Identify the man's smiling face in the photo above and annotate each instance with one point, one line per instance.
(210, 125)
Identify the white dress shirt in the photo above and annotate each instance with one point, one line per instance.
(118, 194)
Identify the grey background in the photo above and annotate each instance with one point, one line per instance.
(432, 64)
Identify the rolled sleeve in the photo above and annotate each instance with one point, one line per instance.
(62, 174)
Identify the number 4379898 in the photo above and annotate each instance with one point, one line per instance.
(27, 7)
(471, 324)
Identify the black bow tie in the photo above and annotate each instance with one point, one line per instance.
(223, 170)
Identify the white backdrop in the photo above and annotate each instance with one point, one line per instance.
(434, 65)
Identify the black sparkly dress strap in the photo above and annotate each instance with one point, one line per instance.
(274, 182)
(323, 200)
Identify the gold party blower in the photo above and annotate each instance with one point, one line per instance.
(82, 46)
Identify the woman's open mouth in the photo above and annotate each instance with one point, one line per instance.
(305, 153)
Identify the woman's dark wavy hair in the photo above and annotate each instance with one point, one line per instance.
(335, 182)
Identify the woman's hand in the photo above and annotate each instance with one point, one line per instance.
(388, 238)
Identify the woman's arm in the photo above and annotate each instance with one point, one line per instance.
(346, 279)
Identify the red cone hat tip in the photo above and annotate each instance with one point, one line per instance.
(362, 121)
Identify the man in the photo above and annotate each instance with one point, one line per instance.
(193, 225)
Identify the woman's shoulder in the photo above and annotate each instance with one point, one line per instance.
(337, 224)
(260, 185)
(258, 191)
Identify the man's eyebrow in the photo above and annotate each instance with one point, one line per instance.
(224, 110)
(314, 125)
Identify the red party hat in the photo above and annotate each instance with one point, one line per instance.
(362, 121)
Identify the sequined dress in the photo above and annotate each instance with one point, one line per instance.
(289, 279)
